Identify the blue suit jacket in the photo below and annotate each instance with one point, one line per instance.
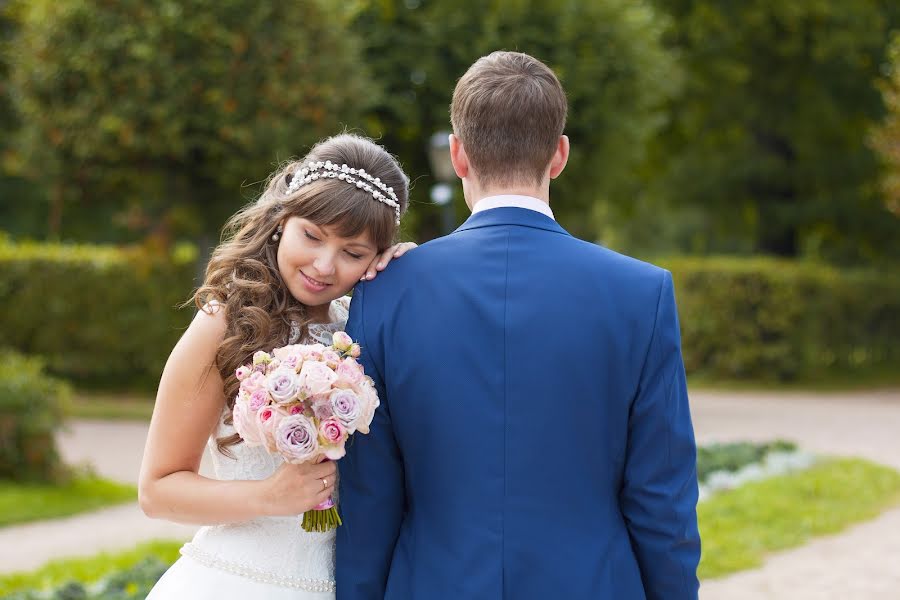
(534, 438)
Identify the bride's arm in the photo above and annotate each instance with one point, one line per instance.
(189, 403)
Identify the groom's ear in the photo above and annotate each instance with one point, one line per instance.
(458, 157)
(560, 157)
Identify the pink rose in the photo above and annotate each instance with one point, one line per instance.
(245, 424)
(332, 431)
(284, 351)
(242, 372)
(256, 381)
(316, 378)
(332, 436)
(312, 351)
(351, 371)
(258, 399)
(355, 351)
(331, 358)
(341, 341)
(290, 356)
(297, 439)
(267, 420)
(283, 385)
(346, 406)
(293, 361)
(296, 409)
(370, 402)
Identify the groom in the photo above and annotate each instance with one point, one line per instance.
(534, 439)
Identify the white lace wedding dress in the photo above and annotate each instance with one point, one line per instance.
(266, 557)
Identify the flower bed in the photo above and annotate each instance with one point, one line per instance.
(728, 466)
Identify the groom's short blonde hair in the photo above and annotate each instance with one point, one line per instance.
(509, 110)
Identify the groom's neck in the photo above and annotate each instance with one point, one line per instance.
(474, 194)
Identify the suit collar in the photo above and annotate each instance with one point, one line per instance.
(511, 216)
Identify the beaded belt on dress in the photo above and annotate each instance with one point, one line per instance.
(300, 583)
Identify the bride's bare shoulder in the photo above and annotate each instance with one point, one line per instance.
(209, 324)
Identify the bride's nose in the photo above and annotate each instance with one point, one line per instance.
(324, 265)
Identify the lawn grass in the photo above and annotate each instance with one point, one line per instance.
(25, 502)
(833, 381)
(86, 570)
(739, 527)
(112, 406)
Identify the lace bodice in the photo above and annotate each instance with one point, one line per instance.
(271, 549)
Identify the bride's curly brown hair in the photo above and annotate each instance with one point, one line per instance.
(242, 276)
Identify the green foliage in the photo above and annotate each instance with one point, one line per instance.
(32, 408)
(607, 53)
(96, 314)
(769, 136)
(165, 110)
(768, 319)
(23, 503)
(88, 571)
(887, 138)
(733, 456)
(739, 526)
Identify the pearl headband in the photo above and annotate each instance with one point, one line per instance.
(358, 177)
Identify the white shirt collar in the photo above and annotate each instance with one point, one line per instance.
(513, 201)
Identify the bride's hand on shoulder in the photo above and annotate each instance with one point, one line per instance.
(295, 489)
(381, 261)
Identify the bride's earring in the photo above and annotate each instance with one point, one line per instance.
(277, 233)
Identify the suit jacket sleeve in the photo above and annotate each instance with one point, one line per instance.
(659, 494)
(372, 497)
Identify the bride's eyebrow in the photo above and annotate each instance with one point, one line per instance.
(362, 245)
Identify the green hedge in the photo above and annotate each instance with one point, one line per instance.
(102, 315)
(97, 314)
(32, 407)
(769, 319)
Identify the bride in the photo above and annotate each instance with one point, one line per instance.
(279, 278)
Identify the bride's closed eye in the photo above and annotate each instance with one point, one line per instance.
(313, 238)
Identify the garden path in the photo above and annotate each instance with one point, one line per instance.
(861, 562)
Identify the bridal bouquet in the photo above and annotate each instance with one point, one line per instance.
(303, 401)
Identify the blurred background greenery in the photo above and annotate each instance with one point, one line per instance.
(751, 147)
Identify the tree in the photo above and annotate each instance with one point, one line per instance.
(769, 134)
(21, 203)
(165, 109)
(607, 53)
(886, 138)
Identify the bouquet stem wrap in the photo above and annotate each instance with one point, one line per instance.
(322, 518)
